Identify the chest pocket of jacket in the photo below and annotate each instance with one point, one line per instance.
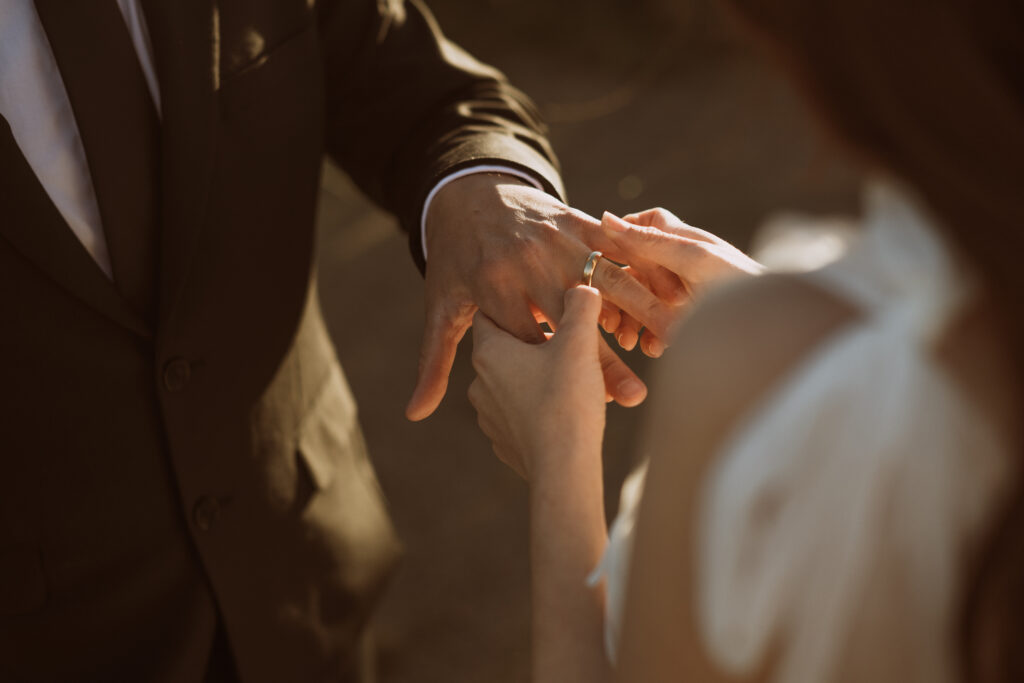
(251, 30)
(22, 583)
(277, 74)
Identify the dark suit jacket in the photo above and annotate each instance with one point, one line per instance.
(151, 477)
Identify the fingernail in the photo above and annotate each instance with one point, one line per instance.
(611, 222)
(630, 388)
(655, 348)
(680, 296)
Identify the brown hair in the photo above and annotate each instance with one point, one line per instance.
(933, 92)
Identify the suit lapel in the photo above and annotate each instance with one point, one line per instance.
(184, 36)
(33, 225)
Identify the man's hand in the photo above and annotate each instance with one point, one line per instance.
(496, 244)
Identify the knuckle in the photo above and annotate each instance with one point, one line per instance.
(664, 218)
(551, 224)
(688, 250)
(649, 234)
(696, 250)
(577, 220)
(611, 275)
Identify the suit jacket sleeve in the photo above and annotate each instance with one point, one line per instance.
(406, 107)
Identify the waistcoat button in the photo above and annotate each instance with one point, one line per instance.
(177, 372)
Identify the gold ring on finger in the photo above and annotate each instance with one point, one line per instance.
(589, 267)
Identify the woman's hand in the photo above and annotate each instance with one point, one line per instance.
(666, 253)
(542, 405)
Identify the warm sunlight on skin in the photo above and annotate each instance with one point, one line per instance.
(510, 273)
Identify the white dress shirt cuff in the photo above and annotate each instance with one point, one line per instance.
(484, 168)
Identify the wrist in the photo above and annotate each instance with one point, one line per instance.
(462, 194)
(566, 454)
(568, 500)
(500, 169)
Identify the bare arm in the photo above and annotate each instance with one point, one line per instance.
(543, 408)
(567, 538)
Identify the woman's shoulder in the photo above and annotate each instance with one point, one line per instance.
(744, 337)
(785, 306)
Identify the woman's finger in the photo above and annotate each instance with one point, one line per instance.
(490, 342)
(663, 282)
(678, 254)
(582, 306)
(651, 345)
(485, 329)
(666, 221)
(625, 291)
(621, 383)
(628, 333)
(663, 219)
(610, 317)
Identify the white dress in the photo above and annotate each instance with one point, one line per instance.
(834, 522)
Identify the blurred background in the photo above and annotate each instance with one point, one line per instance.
(650, 103)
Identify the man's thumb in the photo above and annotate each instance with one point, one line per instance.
(441, 338)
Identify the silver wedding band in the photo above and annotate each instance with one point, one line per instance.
(589, 267)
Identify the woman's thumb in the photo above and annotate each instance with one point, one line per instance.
(581, 312)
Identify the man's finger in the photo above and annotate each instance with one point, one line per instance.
(441, 337)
